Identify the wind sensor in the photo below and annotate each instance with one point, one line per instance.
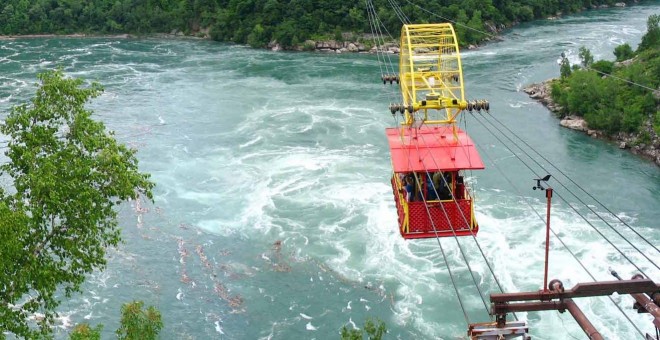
(539, 185)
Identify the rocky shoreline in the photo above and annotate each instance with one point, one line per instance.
(630, 141)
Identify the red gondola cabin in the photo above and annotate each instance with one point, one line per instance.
(429, 191)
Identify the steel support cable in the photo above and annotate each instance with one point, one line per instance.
(481, 251)
(452, 21)
(381, 24)
(372, 23)
(376, 33)
(397, 13)
(574, 195)
(592, 197)
(570, 205)
(400, 14)
(503, 175)
(444, 256)
(453, 230)
(373, 20)
(619, 78)
(377, 25)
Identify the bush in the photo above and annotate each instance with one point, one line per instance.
(603, 66)
(623, 52)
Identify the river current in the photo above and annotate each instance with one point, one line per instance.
(273, 215)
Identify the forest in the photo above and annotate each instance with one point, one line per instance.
(620, 96)
(258, 22)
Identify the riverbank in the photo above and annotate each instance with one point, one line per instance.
(349, 42)
(645, 143)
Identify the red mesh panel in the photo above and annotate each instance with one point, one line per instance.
(445, 216)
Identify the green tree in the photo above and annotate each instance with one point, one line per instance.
(623, 52)
(585, 56)
(257, 38)
(138, 324)
(651, 40)
(565, 67)
(375, 330)
(66, 175)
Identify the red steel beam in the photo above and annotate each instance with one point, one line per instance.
(649, 306)
(504, 308)
(582, 290)
(582, 320)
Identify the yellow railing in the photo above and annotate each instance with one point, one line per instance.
(405, 226)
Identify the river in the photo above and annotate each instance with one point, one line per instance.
(273, 216)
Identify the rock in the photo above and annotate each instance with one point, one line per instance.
(394, 50)
(620, 4)
(624, 63)
(276, 48)
(490, 27)
(352, 48)
(574, 122)
(472, 47)
(622, 145)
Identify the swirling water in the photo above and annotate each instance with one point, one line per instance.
(273, 216)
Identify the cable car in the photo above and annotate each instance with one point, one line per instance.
(429, 152)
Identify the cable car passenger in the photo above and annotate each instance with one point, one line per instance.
(410, 188)
(431, 188)
(460, 188)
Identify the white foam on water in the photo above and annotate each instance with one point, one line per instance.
(218, 328)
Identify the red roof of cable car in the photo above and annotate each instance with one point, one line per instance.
(432, 148)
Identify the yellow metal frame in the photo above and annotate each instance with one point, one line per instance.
(431, 74)
(405, 226)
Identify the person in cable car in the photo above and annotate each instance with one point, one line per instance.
(410, 189)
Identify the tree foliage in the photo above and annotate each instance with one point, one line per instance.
(619, 98)
(84, 332)
(565, 68)
(66, 174)
(374, 329)
(287, 21)
(139, 324)
(623, 52)
(136, 323)
(586, 58)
